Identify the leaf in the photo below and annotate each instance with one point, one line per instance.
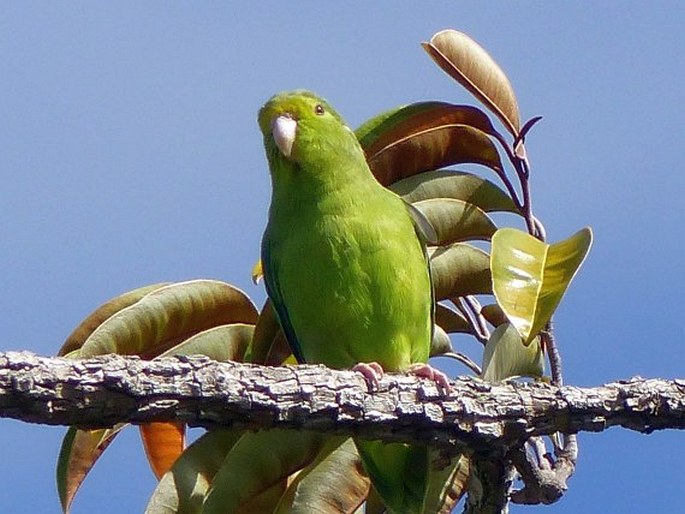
(222, 343)
(182, 490)
(95, 319)
(265, 501)
(441, 343)
(456, 220)
(530, 277)
(431, 148)
(79, 452)
(374, 503)
(451, 321)
(494, 314)
(334, 483)
(395, 124)
(469, 64)
(454, 184)
(168, 315)
(265, 332)
(506, 355)
(425, 136)
(459, 270)
(163, 442)
(258, 461)
(447, 482)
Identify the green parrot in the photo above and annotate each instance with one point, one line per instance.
(346, 269)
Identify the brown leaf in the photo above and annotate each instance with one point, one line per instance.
(432, 147)
(469, 64)
(428, 133)
(79, 452)
(451, 321)
(163, 442)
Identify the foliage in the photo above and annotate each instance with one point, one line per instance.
(407, 149)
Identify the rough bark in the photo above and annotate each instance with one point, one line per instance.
(479, 418)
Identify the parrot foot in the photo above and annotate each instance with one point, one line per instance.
(371, 371)
(425, 370)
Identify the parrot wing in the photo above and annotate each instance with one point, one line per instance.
(274, 292)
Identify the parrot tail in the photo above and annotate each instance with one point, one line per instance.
(398, 471)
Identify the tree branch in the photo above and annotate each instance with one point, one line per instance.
(476, 417)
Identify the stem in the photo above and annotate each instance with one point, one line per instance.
(465, 360)
(464, 308)
(553, 354)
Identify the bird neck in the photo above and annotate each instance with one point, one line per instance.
(323, 185)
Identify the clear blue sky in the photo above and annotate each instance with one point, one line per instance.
(129, 154)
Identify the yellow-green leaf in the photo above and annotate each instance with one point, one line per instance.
(530, 277)
(168, 315)
(335, 483)
(258, 461)
(456, 220)
(182, 490)
(79, 452)
(469, 64)
(97, 317)
(506, 355)
(454, 184)
(459, 270)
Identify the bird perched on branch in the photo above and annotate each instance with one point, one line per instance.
(346, 269)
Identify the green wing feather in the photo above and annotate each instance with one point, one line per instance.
(274, 292)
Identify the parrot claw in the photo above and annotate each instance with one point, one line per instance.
(371, 371)
(425, 370)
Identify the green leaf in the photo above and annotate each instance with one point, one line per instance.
(332, 484)
(258, 461)
(506, 355)
(96, 318)
(459, 270)
(469, 64)
(182, 490)
(451, 321)
(494, 314)
(447, 482)
(456, 220)
(222, 343)
(441, 343)
(161, 319)
(454, 184)
(530, 277)
(266, 330)
(79, 452)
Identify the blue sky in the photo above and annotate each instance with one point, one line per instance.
(129, 154)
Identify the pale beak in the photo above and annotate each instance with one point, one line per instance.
(283, 129)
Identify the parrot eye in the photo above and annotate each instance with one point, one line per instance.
(319, 110)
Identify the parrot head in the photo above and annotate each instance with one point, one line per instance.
(302, 130)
